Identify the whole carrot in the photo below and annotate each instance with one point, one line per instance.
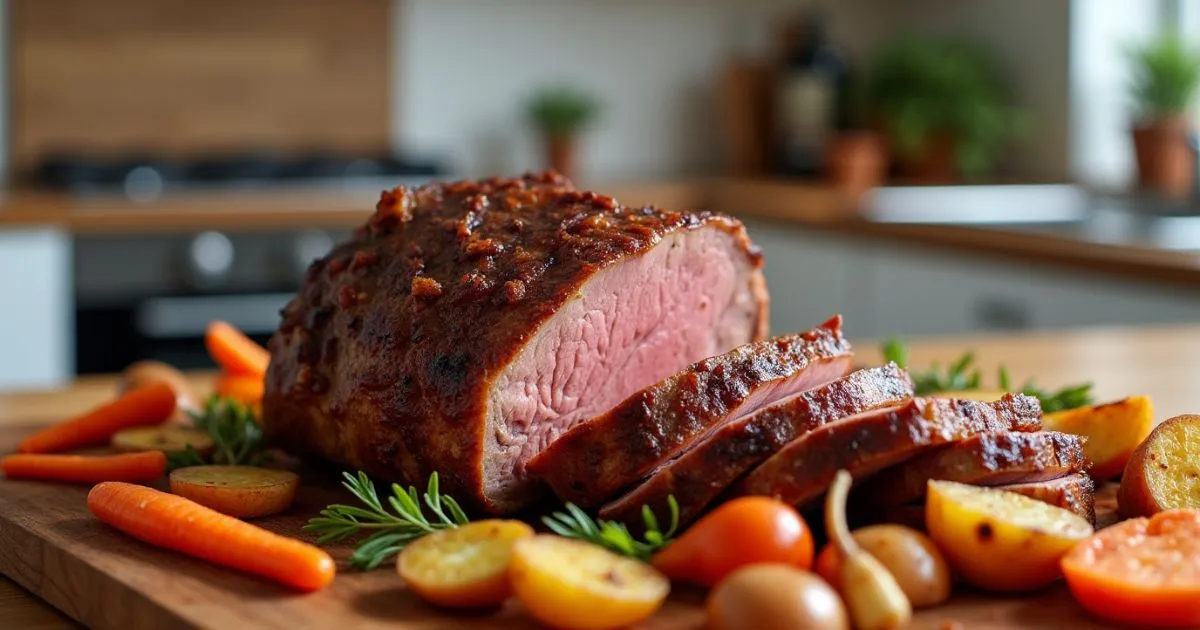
(182, 525)
(234, 351)
(148, 404)
(136, 467)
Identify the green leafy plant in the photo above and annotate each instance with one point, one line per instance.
(391, 530)
(235, 432)
(923, 89)
(1166, 75)
(575, 523)
(960, 376)
(561, 111)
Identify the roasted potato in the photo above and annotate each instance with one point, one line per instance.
(240, 491)
(1000, 541)
(167, 438)
(1112, 430)
(910, 556)
(1164, 471)
(567, 583)
(464, 567)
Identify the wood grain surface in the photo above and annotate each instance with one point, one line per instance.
(56, 550)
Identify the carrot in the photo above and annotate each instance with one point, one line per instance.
(234, 351)
(143, 466)
(176, 523)
(148, 404)
(247, 390)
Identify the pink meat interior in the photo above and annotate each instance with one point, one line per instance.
(632, 324)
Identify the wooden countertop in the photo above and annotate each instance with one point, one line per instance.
(809, 206)
(1159, 361)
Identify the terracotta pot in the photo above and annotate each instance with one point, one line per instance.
(560, 154)
(1165, 163)
(935, 165)
(856, 161)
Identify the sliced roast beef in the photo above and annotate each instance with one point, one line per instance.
(467, 325)
(987, 459)
(872, 441)
(596, 458)
(1075, 492)
(697, 476)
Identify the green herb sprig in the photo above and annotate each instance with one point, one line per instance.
(959, 376)
(234, 430)
(392, 530)
(575, 523)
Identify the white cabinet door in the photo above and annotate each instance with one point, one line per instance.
(36, 309)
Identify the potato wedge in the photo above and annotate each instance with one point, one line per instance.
(1000, 541)
(166, 438)
(566, 583)
(464, 567)
(240, 491)
(1112, 430)
(1164, 472)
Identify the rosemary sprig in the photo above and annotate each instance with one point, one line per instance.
(575, 523)
(391, 531)
(234, 431)
(958, 378)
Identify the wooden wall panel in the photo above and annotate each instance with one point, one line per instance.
(187, 77)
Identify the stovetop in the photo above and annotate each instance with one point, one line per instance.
(146, 177)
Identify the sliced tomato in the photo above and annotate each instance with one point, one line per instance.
(1143, 572)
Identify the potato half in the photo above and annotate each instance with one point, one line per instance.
(1000, 541)
(1164, 471)
(464, 567)
(241, 491)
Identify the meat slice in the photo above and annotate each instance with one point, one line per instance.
(597, 458)
(1075, 492)
(987, 459)
(702, 472)
(869, 442)
(469, 324)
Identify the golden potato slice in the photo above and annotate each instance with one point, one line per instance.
(998, 540)
(1112, 430)
(167, 438)
(241, 491)
(1164, 471)
(464, 567)
(571, 584)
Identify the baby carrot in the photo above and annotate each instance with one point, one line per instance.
(247, 390)
(136, 467)
(148, 404)
(234, 351)
(176, 523)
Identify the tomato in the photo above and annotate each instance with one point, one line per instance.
(743, 531)
(1142, 572)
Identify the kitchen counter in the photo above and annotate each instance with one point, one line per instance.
(812, 207)
(1161, 362)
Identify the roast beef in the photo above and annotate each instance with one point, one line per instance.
(598, 457)
(875, 440)
(697, 476)
(467, 325)
(1075, 492)
(987, 459)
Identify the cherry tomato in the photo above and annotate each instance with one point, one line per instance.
(744, 531)
(1143, 572)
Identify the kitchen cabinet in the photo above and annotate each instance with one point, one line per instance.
(886, 289)
(36, 319)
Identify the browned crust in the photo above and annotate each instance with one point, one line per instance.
(986, 459)
(1075, 492)
(595, 459)
(703, 472)
(384, 360)
(865, 445)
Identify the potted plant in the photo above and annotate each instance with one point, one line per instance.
(1166, 74)
(942, 106)
(559, 114)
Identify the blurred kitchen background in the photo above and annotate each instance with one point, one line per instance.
(921, 166)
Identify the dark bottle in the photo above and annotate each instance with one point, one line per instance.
(811, 100)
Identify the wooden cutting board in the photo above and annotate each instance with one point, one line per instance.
(51, 545)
